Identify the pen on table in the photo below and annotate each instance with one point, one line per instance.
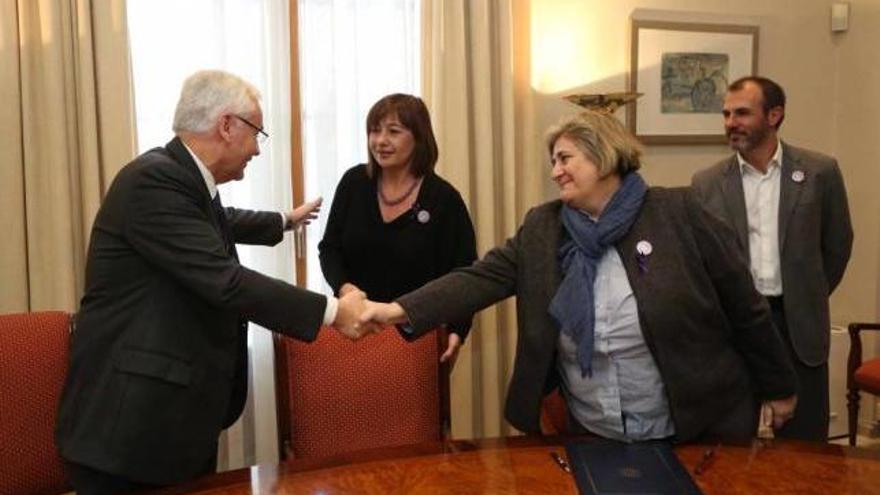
(560, 462)
(703, 464)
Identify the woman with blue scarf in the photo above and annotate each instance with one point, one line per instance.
(632, 300)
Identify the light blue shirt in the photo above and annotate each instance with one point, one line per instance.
(625, 398)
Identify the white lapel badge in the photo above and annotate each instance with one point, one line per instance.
(798, 176)
(423, 216)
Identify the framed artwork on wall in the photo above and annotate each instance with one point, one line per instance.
(683, 70)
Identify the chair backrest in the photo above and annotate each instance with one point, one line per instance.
(860, 376)
(337, 396)
(554, 414)
(33, 365)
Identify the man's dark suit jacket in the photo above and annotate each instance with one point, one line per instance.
(158, 364)
(815, 237)
(709, 331)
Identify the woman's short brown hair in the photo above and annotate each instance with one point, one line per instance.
(413, 114)
(602, 138)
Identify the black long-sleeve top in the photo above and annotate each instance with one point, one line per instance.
(387, 260)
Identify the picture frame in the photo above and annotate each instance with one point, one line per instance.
(682, 70)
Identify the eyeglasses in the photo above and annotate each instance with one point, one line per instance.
(261, 135)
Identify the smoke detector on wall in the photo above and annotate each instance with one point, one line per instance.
(839, 17)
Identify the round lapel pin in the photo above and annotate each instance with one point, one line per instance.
(423, 216)
(798, 176)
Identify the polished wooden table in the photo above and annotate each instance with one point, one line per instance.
(524, 465)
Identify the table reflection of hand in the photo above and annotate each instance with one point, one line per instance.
(775, 413)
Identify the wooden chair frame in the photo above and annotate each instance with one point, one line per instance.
(853, 363)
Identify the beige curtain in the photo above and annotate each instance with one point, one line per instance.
(66, 129)
(476, 83)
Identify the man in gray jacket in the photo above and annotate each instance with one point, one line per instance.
(789, 209)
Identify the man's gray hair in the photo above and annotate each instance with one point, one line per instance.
(207, 94)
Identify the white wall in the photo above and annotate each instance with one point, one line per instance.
(832, 82)
(857, 146)
(795, 48)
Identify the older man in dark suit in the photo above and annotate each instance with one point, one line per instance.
(789, 209)
(158, 361)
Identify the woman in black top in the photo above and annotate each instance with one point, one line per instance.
(394, 224)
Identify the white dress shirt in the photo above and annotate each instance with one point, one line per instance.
(761, 191)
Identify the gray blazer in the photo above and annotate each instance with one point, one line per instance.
(709, 331)
(815, 237)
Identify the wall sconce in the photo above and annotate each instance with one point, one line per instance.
(607, 103)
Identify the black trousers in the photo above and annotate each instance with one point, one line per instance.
(810, 421)
(88, 481)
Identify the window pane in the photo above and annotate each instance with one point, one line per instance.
(352, 52)
(171, 39)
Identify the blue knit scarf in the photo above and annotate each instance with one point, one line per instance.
(573, 305)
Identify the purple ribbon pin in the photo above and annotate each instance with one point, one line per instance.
(643, 250)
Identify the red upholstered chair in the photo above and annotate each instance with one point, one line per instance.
(554, 414)
(860, 376)
(33, 364)
(337, 396)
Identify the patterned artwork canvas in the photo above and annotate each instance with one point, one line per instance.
(693, 82)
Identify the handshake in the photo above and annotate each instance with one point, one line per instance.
(357, 316)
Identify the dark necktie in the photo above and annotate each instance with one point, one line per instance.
(217, 206)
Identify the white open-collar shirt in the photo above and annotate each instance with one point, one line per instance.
(761, 191)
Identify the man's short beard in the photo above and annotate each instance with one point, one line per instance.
(750, 140)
